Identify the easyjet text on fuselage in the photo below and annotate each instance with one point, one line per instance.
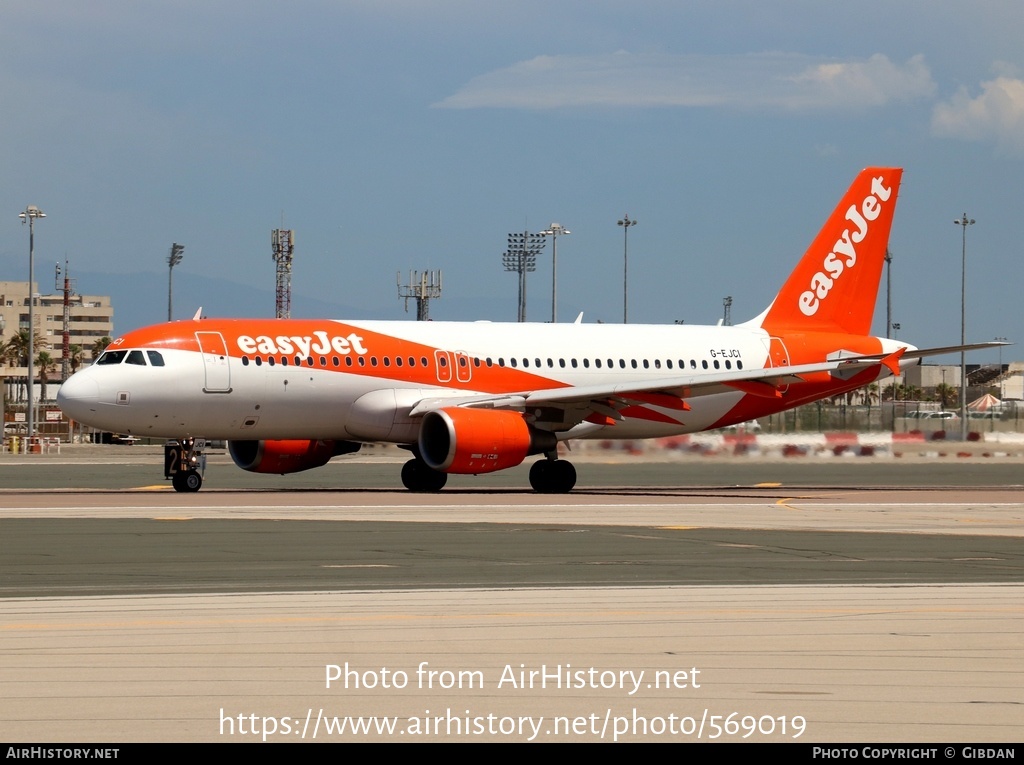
(320, 343)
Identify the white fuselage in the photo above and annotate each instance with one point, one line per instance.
(362, 386)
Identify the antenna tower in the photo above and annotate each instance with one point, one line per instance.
(422, 288)
(283, 241)
(69, 290)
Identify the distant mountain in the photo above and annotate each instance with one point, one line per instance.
(140, 299)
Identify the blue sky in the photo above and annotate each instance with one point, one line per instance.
(412, 135)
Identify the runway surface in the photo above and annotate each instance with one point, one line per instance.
(646, 609)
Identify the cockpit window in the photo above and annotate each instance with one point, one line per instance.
(112, 357)
(136, 357)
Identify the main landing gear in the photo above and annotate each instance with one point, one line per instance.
(548, 476)
(551, 476)
(184, 464)
(418, 476)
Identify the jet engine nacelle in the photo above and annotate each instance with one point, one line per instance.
(456, 440)
(286, 456)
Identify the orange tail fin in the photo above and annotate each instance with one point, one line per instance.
(835, 285)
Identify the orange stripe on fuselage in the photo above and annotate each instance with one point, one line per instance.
(323, 341)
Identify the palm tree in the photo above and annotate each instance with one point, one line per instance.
(947, 395)
(15, 350)
(100, 345)
(10, 352)
(46, 365)
(76, 357)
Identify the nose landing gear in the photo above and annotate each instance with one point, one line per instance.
(185, 463)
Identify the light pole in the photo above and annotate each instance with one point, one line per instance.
(963, 222)
(888, 293)
(555, 230)
(895, 329)
(177, 253)
(31, 213)
(1002, 390)
(625, 223)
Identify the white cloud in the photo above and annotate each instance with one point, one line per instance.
(995, 115)
(782, 81)
(874, 82)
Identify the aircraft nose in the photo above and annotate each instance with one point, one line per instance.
(78, 396)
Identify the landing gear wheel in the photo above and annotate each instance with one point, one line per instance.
(552, 476)
(418, 476)
(187, 480)
(539, 475)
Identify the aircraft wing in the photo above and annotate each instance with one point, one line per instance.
(670, 391)
(665, 390)
(920, 353)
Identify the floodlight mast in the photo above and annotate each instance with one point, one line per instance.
(521, 258)
(177, 253)
(31, 214)
(555, 230)
(625, 223)
(964, 222)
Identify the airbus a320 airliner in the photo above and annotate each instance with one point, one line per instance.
(288, 395)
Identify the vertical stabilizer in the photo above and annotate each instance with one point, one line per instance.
(835, 285)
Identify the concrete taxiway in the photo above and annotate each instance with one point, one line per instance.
(638, 608)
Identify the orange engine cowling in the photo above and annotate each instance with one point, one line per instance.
(456, 440)
(286, 456)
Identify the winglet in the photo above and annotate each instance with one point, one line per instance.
(199, 314)
(892, 361)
